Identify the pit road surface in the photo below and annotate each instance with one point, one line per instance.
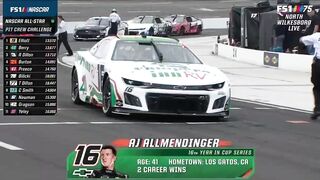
(287, 144)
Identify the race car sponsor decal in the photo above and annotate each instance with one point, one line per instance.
(115, 96)
(178, 71)
(83, 86)
(85, 64)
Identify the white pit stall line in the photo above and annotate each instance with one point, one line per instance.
(262, 108)
(10, 147)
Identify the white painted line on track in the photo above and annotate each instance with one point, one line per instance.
(298, 122)
(206, 9)
(202, 123)
(233, 1)
(271, 105)
(130, 123)
(42, 123)
(10, 147)
(106, 123)
(262, 108)
(235, 108)
(157, 3)
(143, 11)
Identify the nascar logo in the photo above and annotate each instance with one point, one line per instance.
(29, 9)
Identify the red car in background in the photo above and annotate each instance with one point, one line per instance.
(183, 24)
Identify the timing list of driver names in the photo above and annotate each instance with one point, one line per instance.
(30, 75)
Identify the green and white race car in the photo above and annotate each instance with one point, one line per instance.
(149, 75)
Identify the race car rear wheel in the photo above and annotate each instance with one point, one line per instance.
(199, 29)
(151, 31)
(106, 96)
(75, 88)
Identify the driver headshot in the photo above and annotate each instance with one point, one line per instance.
(108, 156)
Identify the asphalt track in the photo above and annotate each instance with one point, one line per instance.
(287, 144)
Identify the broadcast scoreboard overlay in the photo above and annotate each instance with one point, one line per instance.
(30, 57)
(161, 158)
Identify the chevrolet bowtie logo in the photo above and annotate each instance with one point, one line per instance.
(82, 172)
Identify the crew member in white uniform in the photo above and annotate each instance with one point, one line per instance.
(115, 21)
(63, 35)
(314, 40)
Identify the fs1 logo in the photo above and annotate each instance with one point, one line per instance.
(29, 9)
(293, 9)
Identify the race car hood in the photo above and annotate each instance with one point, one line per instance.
(169, 73)
(138, 26)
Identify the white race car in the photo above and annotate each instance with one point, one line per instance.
(149, 25)
(149, 75)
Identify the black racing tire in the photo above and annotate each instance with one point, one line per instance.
(199, 30)
(106, 97)
(75, 88)
(225, 117)
(151, 32)
(182, 31)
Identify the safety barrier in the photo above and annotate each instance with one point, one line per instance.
(286, 61)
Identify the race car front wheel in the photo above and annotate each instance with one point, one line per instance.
(75, 88)
(106, 95)
(225, 117)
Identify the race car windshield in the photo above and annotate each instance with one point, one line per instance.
(147, 20)
(97, 22)
(171, 52)
(177, 19)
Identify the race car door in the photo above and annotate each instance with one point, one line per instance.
(160, 26)
(97, 70)
(191, 24)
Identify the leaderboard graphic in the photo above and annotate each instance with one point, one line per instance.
(168, 158)
(30, 57)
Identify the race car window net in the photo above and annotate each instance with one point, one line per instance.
(145, 51)
(189, 19)
(158, 20)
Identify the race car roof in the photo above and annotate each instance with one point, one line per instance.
(146, 39)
